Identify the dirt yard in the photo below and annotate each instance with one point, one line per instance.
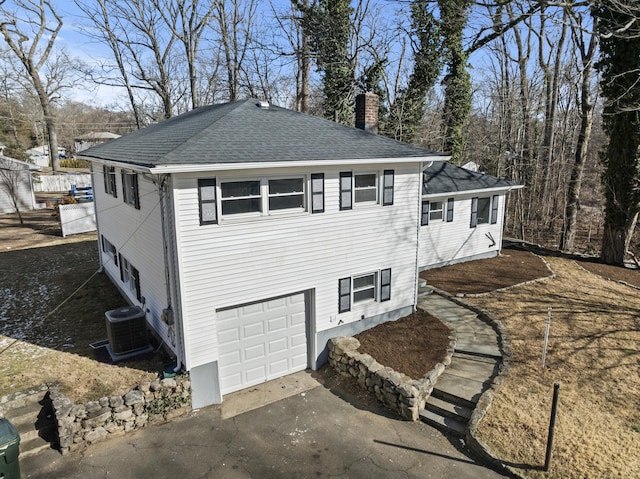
(42, 337)
(592, 353)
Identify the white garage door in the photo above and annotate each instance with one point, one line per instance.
(261, 341)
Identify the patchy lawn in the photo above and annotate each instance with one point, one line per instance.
(42, 337)
(593, 353)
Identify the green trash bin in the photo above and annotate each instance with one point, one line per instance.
(9, 450)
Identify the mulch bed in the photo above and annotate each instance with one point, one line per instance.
(485, 275)
(412, 345)
(615, 273)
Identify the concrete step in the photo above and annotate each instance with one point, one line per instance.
(459, 390)
(33, 419)
(470, 369)
(484, 350)
(448, 409)
(477, 337)
(444, 423)
(473, 357)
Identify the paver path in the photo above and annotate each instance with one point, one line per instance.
(473, 367)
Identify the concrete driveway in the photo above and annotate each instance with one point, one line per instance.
(327, 428)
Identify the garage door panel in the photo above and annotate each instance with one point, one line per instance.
(255, 375)
(255, 329)
(254, 352)
(262, 341)
(278, 324)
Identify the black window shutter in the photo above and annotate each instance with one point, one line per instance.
(114, 186)
(124, 185)
(450, 202)
(317, 193)
(474, 212)
(387, 187)
(207, 195)
(121, 266)
(136, 278)
(105, 177)
(424, 217)
(344, 295)
(385, 285)
(136, 194)
(346, 185)
(494, 209)
(104, 248)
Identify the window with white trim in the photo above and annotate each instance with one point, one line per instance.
(130, 189)
(130, 277)
(264, 196)
(436, 211)
(110, 250)
(364, 188)
(484, 210)
(109, 176)
(363, 288)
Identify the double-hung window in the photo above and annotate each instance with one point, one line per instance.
(286, 194)
(109, 249)
(257, 196)
(484, 210)
(130, 277)
(364, 288)
(433, 211)
(364, 188)
(109, 176)
(130, 189)
(240, 197)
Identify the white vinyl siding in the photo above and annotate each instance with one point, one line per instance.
(443, 242)
(238, 262)
(137, 235)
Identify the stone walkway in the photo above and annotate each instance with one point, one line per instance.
(474, 364)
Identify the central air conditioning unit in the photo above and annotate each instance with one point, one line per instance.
(127, 330)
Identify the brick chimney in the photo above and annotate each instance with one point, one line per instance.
(367, 112)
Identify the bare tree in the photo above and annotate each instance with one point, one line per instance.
(234, 22)
(33, 24)
(98, 12)
(12, 175)
(586, 49)
(187, 21)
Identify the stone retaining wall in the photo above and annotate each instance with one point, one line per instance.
(83, 424)
(395, 390)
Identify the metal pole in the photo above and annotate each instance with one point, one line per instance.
(546, 337)
(552, 425)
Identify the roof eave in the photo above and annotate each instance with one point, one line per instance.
(205, 167)
(491, 189)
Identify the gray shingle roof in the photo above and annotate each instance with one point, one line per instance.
(240, 132)
(442, 177)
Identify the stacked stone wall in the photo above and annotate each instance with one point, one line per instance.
(82, 424)
(395, 390)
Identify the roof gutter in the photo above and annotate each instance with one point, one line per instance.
(476, 191)
(204, 167)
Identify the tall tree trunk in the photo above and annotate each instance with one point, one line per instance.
(586, 115)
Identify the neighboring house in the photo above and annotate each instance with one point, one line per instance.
(16, 183)
(40, 155)
(462, 215)
(92, 139)
(251, 234)
(471, 166)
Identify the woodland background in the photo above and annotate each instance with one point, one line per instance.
(524, 88)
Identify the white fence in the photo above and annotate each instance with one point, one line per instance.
(77, 218)
(57, 183)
